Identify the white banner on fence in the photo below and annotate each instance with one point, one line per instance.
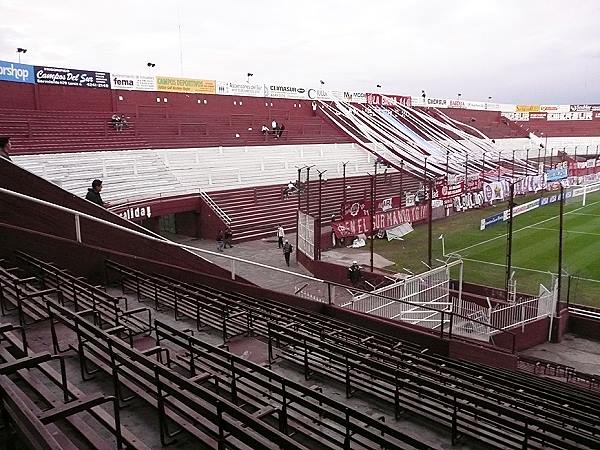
(246, 89)
(133, 82)
(283, 91)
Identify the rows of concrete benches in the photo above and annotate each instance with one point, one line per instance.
(186, 381)
(505, 409)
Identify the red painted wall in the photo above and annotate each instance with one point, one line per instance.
(17, 95)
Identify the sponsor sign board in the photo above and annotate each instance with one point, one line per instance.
(382, 221)
(489, 221)
(318, 94)
(528, 108)
(537, 116)
(580, 115)
(133, 82)
(187, 85)
(20, 73)
(142, 212)
(584, 108)
(282, 91)
(246, 89)
(436, 102)
(72, 77)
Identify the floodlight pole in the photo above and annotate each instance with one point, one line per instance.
(318, 252)
(560, 246)
(344, 190)
(308, 190)
(509, 236)
(429, 222)
(527, 163)
(401, 171)
(372, 216)
(298, 213)
(483, 167)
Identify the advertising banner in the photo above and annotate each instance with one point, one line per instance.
(580, 115)
(246, 89)
(363, 208)
(436, 102)
(382, 221)
(537, 116)
(187, 85)
(72, 77)
(489, 221)
(584, 108)
(556, 174)
(318, 94)
(388, 100)
(281, 91)
(554, 108)
(528, 108)
(458, 104)
(20, 73)
(133, 82)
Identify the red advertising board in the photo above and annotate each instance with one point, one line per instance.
(388, 100)
(382, 221)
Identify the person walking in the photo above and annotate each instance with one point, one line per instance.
(5, 147)
(93, 194)
(287, 251)
(354, 274)
(220, 240)
(280, 236)
(228, 237)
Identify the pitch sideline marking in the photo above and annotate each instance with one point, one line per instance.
(520, 229)
(566, 231)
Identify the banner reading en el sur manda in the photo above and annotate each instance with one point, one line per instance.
(382, 221)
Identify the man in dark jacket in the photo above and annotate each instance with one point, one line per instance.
(93, 194)
(228, 237)
(4, 147)
(287, 251)
(354, 274)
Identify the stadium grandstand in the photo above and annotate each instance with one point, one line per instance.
(165, 314)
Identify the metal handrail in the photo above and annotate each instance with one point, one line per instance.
(157, 238)
(216, 209)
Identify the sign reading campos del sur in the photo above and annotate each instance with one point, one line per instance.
(72, 77)
(186, 85)
(133, 82)
(21, 73)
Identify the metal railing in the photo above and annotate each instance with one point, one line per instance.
(216, 209)
(444, 320)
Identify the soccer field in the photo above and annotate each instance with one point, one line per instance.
(535, 247)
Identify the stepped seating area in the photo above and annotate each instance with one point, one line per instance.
(256, 212)
(146, 174)
(490, 123)
(206, 395)
(59, 131)
(561, 128)
(498, 408)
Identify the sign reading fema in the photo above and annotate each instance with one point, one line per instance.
(20, 73)
(186, 85)
(133, 82)
(72, 77)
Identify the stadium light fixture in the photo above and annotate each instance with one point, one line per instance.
(19, 51)
(490, 97)
(459, 95)
(248, 75)
(322, 82)
(151, 64)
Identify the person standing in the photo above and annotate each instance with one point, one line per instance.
(287, 251)
(220, 240)
(354, 274)
(5, 147)
(280, 236)
(228, 236)
(93, 194)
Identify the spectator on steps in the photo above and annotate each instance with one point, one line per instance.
(264, 129)
(220, 240)
(287, 251)
(289, 189)
(93, 194)
(228, 237)
(116, 121)
(5, 147)
(280, 130)
(274, 126)
(124, 123)
(354, 274)
(280, 236)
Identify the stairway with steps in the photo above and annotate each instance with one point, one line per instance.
(257, 211)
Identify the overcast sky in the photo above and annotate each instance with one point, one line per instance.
(517, 51)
